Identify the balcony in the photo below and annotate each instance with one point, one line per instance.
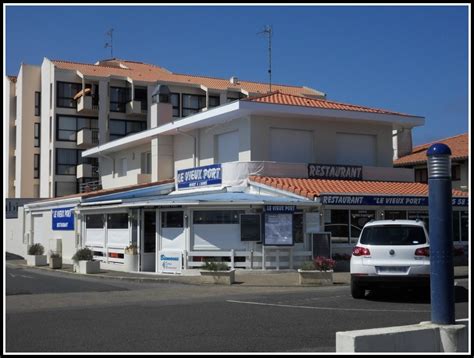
(87, 138)
(134, 108)
(90, 186)
(87, 104)
(87, 171)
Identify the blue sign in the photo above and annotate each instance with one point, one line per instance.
(280, 208)
(383, 200)
(63, 218)
(200, 176)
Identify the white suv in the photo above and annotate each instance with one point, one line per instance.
(390, 252)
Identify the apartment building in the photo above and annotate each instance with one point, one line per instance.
(417, 160)
(61, 108)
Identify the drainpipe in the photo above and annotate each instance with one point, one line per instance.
(195, 139)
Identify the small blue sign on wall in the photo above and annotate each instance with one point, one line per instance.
(200, 176)
(63, 218)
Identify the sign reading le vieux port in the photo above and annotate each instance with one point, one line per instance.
(200, 176)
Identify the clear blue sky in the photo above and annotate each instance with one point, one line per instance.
(408, 59)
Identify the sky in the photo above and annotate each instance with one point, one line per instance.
(410, 59)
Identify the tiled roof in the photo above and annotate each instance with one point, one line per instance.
(278, 97)
(150, 73)
(312, 188)
(91, 194)
(458, 145)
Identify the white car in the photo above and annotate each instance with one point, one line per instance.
(390, 252)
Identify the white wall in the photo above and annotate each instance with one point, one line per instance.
(14, 235)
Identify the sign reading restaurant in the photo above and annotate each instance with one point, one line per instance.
(200, 176)
(383, 200)
(329, 171)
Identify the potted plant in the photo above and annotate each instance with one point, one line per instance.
(317, 272)
(217, 272)
(84, 262)
(55, 260)
(130, 258)
(35, 256)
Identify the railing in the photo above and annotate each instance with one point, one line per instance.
(95, 136)
(90, 186)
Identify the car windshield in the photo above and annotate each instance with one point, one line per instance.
(393, 235)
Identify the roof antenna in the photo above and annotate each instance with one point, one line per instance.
(110, 44)
(267, 31)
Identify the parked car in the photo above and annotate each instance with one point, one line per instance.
(390, 252)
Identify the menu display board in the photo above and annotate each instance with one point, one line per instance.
(250, 227)
(278, 229)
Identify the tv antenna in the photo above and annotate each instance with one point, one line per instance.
(267, 31)
(110, 44)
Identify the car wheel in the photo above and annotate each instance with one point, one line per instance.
(357, 291)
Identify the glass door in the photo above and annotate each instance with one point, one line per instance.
(148, 247)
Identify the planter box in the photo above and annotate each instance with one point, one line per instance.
(55, 262)
(218, 277)
(36, 260)
(85, 266)
(130, 262)
(307, 277)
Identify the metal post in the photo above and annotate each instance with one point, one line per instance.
(441, 241)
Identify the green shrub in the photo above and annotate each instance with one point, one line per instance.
(83, 254)
(308, 266)
(54, 255)
(36, 249)
(215, 266)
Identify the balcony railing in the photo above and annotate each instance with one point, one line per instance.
(90, 186)
(87, 138)
(135, 108)
(87, 104)
(87, 171)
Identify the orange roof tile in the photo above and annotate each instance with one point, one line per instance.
(458, 145)
(312, 188)
(292, 100)
(139, 71)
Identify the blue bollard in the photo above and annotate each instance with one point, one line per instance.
(441, 240)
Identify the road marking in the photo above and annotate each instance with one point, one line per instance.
(25, 276)
(327, 308)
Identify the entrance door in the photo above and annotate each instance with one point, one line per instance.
(172, 230)
(148, 247)
(38, 234)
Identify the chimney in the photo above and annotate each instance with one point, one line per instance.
(161, 108)
(234, 80)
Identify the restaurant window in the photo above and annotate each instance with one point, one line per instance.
(358, 219)
(117, 221)
(175, 103)
(298, 232)
(37, 104)
(395, 215)
(420, 215)
(119, 96)
(421, 175)
(65, 92)
(37, 135)
(95, 221)
(217, 217)
(172, 219)
(193, 103)
(36, 169)
(456, 172)
(337, 223)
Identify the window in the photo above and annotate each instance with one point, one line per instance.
(38, 104)
(68, 126)
(455, 172)
(358, 219)
(234, 96)
(95, 221)
(68, 159)
(121, 128)
(146, 163)
(171, 219)
(421, 175)
(214, 101)
(119, 96)
(141, 95)
(464, 226)
(176, 104)
(65, 188)
(393, 235)
(395, 214)
(337, 223)
(193, 104)
(298, 233)
(117, 221)
(217, 217)
(65, 94)
(36, 169)
(37, 135)
(122, 170)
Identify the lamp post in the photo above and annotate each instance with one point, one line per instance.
(441, 241)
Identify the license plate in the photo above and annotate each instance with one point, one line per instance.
(392, 269)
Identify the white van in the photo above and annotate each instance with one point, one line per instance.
(390, 252)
